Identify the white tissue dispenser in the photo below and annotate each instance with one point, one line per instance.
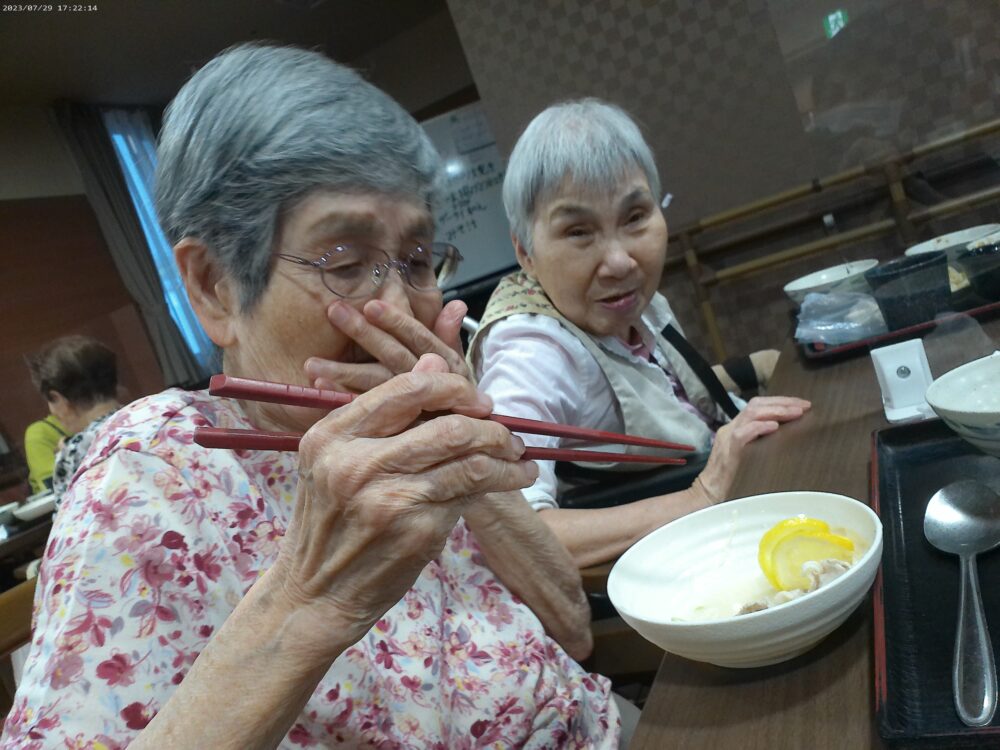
(904, 376)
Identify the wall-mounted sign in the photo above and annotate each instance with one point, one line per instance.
(835, 23)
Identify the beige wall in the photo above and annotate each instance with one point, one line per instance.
(34, 162)
(705, 80)
(742, 98)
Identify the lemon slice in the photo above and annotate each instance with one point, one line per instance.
(792, 552)
(782, 530)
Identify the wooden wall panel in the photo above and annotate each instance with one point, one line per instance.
(57, 278)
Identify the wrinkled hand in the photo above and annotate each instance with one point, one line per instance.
(378, 496)
(762, 416)
(396, 340)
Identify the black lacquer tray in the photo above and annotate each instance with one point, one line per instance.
(814, 351)
(917, 589)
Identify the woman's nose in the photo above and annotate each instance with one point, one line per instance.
(395, 291)
(617, 259)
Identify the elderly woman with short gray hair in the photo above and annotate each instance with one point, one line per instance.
(581, 193)
(381, 586)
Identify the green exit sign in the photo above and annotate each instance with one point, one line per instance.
(835, 23)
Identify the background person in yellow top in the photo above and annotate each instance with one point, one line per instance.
(41, 443)
(78, 377)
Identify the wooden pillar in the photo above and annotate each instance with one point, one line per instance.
(900, 203)
(701, 294)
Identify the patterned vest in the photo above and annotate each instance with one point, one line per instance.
(646, 407)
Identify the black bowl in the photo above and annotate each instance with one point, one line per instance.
(982, 267)
(912, 289)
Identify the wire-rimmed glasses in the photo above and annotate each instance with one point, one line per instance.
(352, 270)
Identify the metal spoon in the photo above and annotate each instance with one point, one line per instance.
(963, 518)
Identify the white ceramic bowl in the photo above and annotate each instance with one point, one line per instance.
(712, 555)
(847, 277)
(36, 506)
(993, 238)
(968, 400)
(954, 242)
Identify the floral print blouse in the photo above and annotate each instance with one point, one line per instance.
(71, 455)
(156, 541)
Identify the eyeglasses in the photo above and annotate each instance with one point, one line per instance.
(352, 271)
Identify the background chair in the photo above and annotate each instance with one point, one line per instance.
(15, 631)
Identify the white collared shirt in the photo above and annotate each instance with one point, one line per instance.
(534, 368)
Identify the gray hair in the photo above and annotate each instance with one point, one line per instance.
(589, 141)
(258, 128)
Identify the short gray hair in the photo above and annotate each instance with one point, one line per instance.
(587, 140)
(261, 126)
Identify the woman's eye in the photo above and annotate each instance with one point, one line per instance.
(344, 270)
(575, 232)
(636, 217)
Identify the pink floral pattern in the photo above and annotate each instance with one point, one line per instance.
(157, 540)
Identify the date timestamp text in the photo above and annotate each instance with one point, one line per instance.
(48, 7)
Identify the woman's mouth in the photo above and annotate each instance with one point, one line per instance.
(620, 302)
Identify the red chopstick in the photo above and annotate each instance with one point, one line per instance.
(297, 395)
(218, 437)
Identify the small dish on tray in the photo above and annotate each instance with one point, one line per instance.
(36, 506)
(953, 243)
(847, 277)
(980, 263)
(968, 400)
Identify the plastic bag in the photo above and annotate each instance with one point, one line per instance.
(836, 318)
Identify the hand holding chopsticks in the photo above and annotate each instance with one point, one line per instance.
(293, 395)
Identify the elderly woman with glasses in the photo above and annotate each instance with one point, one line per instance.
(379, 587)
(581, 336)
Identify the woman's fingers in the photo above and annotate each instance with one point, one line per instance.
(780, 401)
(417, 338)
(762, 416)
(431, 363)
(378, 495)
(374, 438)
(394, 352)
(780, 408)
(460, 478)
(440, 439)
(391, 407)
(749, 431)
(448, 326)
(350, 377)
(396, 340)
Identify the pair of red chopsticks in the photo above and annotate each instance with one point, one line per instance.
(297, 395)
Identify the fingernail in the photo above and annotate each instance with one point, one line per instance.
(518, 444)
(338, 313)
(485, 401)
(374, 309)
(312, 368)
